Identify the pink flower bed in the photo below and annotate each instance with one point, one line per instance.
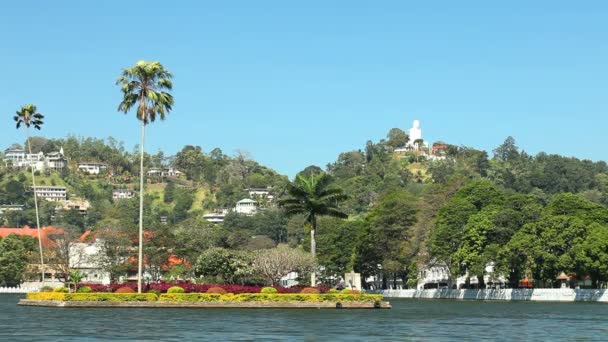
(198, 288)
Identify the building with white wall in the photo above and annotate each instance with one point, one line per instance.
(119, 194)
(92, 168)
(87, 257)
(18, 158)
(51, 193)
(246, 206)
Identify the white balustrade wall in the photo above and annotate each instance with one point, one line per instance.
(17, 289)
(549, 295)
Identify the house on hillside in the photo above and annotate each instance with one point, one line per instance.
(11, 207)
(56, 161)
(82, 205)
(119, 194)
(51, 193)
(246, 206)
(216, 217)
(18, 158)
(92, 168)
(168, 172)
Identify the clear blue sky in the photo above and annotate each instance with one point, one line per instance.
(296, 84)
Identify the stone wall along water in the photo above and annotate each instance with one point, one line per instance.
(546, 295)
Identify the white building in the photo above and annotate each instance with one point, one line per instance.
(260, 193)
(92, 168)
(51, 193)
(170, 172)
(18, 158)
(11, 207)
(246, 206)
(56, 160)
(87, 257)
(119, 194)
(216, 217)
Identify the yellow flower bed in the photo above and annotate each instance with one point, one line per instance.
(46, 296)
(268, 297)
(94, 297)
(206, 297)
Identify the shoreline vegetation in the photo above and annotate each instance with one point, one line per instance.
(206, 300)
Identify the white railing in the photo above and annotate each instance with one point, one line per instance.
(17, 289)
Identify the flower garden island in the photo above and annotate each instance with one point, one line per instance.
(205, 296)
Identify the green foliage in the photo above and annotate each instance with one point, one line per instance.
(176, 289)
(268, 290)
(84, 289)
(13, 259)
(61, 289)
(232, 266)
(270, 297)
(46, 288)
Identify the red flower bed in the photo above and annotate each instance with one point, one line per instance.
(198, 288)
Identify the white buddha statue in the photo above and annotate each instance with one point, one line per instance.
(415, 132)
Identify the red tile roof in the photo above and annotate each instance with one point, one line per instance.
(33, 232)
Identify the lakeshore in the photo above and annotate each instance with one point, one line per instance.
(408, 320)
(539, 295)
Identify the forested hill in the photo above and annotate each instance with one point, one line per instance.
(408, 204)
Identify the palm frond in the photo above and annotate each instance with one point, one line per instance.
(142, 85)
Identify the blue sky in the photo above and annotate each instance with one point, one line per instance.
(296, 84)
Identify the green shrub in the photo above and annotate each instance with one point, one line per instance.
(46, 288)
(176, 289)
(218, 290)
(310, 290)
(349, 291)
(61, 289)
(333, 291)
(179, 297)
(124, 290)
(111, 297)
(156, 292)
(84, 289)
(269, 290)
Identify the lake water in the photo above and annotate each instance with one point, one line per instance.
(409, 320)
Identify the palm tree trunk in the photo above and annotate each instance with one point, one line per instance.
(313, 252)
(29, 146)
(141, 208)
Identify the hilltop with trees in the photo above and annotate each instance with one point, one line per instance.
(532, 216)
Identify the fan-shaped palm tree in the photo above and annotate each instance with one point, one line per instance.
(145, 86)
(29, 117)
(312, 197)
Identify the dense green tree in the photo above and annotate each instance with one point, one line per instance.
(13, 260)
(224, 265)
(397, 138)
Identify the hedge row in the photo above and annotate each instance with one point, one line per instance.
(94, 297)
(203, 297)
(267, 297)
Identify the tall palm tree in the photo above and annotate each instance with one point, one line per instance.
(28, 116)
(145, 86)
(313, 196)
